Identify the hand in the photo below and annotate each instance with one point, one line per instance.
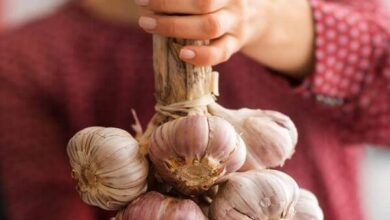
(266, 30)
(229, 24)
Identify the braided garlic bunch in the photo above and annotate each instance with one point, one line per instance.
(227, 152)
(196, 160)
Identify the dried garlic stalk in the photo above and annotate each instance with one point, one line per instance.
(190, 149)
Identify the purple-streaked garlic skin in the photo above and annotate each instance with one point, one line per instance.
(238, 157)
(155, 206)
(191, 153)
(307, 207)
(285, 122)
(256, 194)
(270, 136)
(269, 144)
(108, 167)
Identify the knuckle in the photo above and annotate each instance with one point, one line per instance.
(213, 56)
(208, 57)
(209, 60)
(171, 28)
(213, 26)
(205, 6)
(242, 6)
(224, 54)
(160, 5)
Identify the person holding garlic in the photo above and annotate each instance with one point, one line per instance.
(325, 64)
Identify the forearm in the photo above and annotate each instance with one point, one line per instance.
(288, 42)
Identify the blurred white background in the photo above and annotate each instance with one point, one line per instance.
(376, 183)
(18, 11)
(375, 168)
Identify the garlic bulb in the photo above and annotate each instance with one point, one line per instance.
(155, 206)
(108, 167)
(192, 153)
(256, 194)
(307, 207)
(270, 136)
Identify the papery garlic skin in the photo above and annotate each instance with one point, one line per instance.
(256, 194)
(155, 206)
(307, 207)
(108, 167)
(270, 136)
(191, 153)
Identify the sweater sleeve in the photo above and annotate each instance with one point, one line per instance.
(352, 69)
(33, 162)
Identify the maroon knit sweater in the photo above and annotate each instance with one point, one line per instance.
(71, 70)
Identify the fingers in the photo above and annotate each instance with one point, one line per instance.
(200, 27)
(183, 6)
(217, 52)
(198, 20)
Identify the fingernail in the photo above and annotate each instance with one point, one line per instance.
(142, 2)
(147, 23)
(187, 54)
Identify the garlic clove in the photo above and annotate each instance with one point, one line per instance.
(270, 136)
(234, 214)
(192, 153)
(108, 167)
(307, 207)
(155, 206)
(238, 157)
(256, 194)
(269, 144)
(190, 138)
(284, 121)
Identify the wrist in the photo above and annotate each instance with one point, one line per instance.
(287, 43)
